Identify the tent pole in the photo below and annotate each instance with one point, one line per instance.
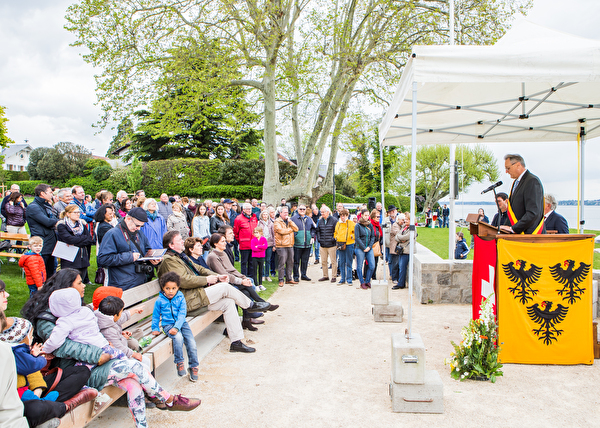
(382, 211)
(581, 178)
(413, 186)
(451, 224)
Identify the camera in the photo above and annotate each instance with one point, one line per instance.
(144, 268)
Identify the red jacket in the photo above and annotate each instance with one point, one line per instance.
(34, 267)
(243, 228)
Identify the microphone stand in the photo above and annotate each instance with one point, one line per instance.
(499, 210)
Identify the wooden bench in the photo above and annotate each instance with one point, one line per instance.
(159, 351)
(14, 237)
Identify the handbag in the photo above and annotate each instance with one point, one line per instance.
(376, 249)
(341, 246)
(100, 276)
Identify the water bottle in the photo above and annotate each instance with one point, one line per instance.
(145, 341)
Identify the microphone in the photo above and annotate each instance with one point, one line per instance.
(492, 187)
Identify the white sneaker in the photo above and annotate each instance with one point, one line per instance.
(267, 278)
(261, 288)
(11, 260)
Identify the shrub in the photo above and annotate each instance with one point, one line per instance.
(328, 200)
(217, 192)
(92, 164)
(179, 176)
(101, 173)
(27, 187)
(118, 181)
(389, 199)
(89, 184)
(252, 172)
(16, 175)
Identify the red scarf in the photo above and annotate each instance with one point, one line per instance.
(376, 227)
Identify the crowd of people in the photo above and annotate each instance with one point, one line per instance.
(201, 244)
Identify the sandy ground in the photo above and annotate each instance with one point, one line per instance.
(322, 361)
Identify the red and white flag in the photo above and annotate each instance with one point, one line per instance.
(484, 273)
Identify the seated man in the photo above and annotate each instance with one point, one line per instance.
(202, 287)
(121, 247)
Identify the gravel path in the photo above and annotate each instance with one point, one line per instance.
(322, 361)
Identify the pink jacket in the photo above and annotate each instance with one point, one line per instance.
(259, 246)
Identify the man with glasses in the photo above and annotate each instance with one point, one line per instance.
(120, 249)
(42, 220)
(302, 242)
(526, 199)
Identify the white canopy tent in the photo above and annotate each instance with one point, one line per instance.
(534, 84)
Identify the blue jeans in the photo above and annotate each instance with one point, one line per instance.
(345, 263)
(186, 336)
(316, 246)
(268, 253)
(403, 268)
(360, 259)
(394, 272)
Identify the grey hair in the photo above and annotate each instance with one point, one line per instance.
(247, 205)
(326, 209)
(121, 193)
(550, 199)
(515, 158)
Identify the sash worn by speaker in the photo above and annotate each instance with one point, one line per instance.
(513, 219)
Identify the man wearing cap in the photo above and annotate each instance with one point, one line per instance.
(120, 249)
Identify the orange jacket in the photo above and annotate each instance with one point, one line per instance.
(34, 267)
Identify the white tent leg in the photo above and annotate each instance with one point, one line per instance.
(451, 224)
(581, 178)
(413, 185)
(382, 211)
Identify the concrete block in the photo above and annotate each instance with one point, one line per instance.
(425, 398)
(408, 359)
(444, 278)
(392, 312)
(450, 295)
(380, 292)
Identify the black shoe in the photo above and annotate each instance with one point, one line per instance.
(259, 307)
(273, 307)
(305, 278)
(247, 325)
(255, 315)
(225, 333)
(238, 346)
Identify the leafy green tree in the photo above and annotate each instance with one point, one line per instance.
(123, 137)
(134, 175)
(92, 163)
(4, 140)
(35, 157)
(63, 161)
(476, 164)
(302, 60)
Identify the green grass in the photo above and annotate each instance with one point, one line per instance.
(437, 241)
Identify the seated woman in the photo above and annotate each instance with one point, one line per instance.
(73, 231)
(193, 249)
(219, 262)
(127, 374)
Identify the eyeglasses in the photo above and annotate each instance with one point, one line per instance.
(509, 166)
(301, 209)
(75, 212)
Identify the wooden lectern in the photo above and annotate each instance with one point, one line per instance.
(543, 286)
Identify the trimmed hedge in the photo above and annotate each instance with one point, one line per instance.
(27, 187)
(389, 199)
(179, 176)
(90, 185)
(252, 172)
(16, 175)
(328, 200)
(217, 192)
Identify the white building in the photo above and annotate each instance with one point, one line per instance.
(16, 157)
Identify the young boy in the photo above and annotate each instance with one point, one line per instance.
(111, 316)
(171, 307)
(33, 265)
(461, 250)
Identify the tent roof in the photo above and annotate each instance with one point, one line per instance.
(534, 84)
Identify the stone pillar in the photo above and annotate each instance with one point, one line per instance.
(383, 309)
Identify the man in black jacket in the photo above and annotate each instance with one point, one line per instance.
(325, 231)
(42, 220)
(502, 201)
(553, 220)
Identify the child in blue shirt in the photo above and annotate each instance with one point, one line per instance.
(170, 311)
(462, 249)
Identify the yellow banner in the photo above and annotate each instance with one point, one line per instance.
(545, 302)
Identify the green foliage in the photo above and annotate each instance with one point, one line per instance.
(118, 181)
(389, 199)
(328, 200)
(61, 162)
(92, 163)
(123, 137)
(27, 187)
(4, 140)
(101, 173)
(35, 157)
(16, 176)
(251, 172)
(216, 192)
(344, 185)
(179, 175)
(477, 353)
(134, 175)
(89, 184)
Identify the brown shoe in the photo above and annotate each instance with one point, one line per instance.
(333, 280)
(81, 397)
(184, 404)
(292, 282)
(325, 278)
(281, 283)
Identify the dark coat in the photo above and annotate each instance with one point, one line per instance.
(42, 219)
(215, 223)
(360, 234)
(325, 231)
(557, 222)
(503, 219)
(16, 215)
(82, 241)
(306, 231)
(527, 202)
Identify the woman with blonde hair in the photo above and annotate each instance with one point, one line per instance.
(178, 221)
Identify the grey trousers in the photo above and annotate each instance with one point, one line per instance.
(285, 257)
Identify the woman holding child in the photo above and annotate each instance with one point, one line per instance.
(128, 374)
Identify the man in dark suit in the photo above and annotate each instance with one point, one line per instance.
(526, 198)
(502, 201)
(553, 220)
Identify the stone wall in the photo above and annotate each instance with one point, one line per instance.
(441, 281)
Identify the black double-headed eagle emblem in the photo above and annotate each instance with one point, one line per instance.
(570, 278)
(547, 319)
(524, 278)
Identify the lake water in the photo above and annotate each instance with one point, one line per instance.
(592, 213)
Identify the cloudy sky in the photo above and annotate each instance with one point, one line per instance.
(48, 90)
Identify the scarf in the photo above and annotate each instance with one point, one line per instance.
(186, 260)
(376, 227)
(152, 216)
(76, 228)
(179, 214)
